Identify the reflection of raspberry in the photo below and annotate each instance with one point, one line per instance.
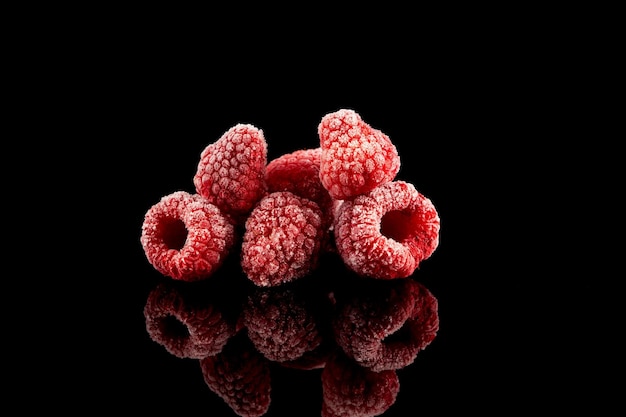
(186, 237)
(185, 328)
(282, 239)
(424, 322)
(313, 359)
(350, 390)
(231, 171)
(387, 232)
(355, 157)
(240, 376)
(385, 327)
(279, 325)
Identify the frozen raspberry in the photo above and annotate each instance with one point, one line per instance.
(299, 173)
(387, 232)
(240, 376)
(282, 239)
(185, 327)
(356, 158)
(185, 237)
(350, 390)
(385, 326)
(231, 171)
(280, 324)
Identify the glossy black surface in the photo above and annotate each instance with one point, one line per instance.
(499, 116)
(509, 314)
(178, 383)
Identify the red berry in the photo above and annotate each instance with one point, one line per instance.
(384, 327)
(231, 171)
(387, 232)
(184, 328)
(282, 239)
(240, 376)
(349, 390)
(299, 173)
(355, 157)
(185, 237)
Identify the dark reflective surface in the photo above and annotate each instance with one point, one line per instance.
(351, 336)
(167, 330)
(514, 322)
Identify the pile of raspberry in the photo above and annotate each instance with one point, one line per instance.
(281, 217)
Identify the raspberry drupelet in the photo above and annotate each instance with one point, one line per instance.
(185, 237)
(387, 232)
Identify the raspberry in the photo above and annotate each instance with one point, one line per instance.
(184, 327)
(350, 390)
(386, 325)
(231, 171)
(299, 173)
(356, 158)
(280, 325)
(240, 376)
(387, 232)
(282, 239)
(185, 237)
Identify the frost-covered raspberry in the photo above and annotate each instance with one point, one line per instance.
(231, 171)
(387, 232)
(355, 157)
(385, 326)
(299, 173)
(239, 375)
(349, 390)
(282, 239)
(185, 328)
(185, 237)
(280, 325)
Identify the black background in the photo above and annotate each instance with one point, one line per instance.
(479, 122)
(504, 312)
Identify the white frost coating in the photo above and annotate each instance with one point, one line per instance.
(368, 148)
(289, 227)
